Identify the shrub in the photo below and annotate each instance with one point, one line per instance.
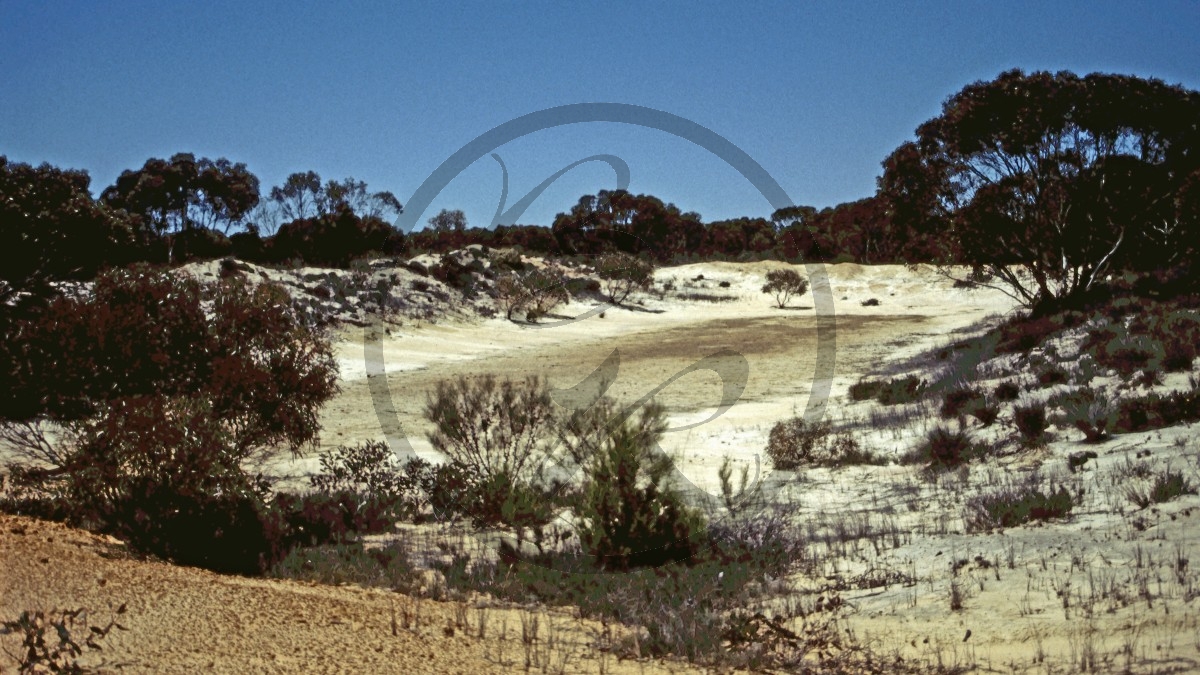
(1031, 422)
(499, 436)
(631, 516)
(1167, 486)
(1007, 391)
(1017, 504)
(864, 390)
(944, 448)
(901, 390)
(870, 302)
(986, 412)
(795, 442)
(165, 386)
(959, 401)
(1088, 412)
(622, 274)
(353, 563)
(1154, 411)
(783, 284)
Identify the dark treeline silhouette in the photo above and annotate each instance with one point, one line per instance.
(1045, 184)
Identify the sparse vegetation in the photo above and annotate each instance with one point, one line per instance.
(1018, 503)
(1166, 486)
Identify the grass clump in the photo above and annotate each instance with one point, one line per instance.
(348, 563)
(1031, 423)
(1167, 486)
(1155, 411)
(1017, 504)
(944, 448)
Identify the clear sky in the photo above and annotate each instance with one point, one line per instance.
(818, 93)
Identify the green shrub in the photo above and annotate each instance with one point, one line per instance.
(1086, 411)
(622, 274)
(864, 390)
(1017, 504)
(959, 401)
(901, 390)
(986, 412)
(348, 563)
(783, 284)
(631, 515)
(1155, 411)
(1167, 486)
(492, 427)
(1007, 391)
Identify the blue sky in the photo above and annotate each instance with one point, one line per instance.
(818, 94)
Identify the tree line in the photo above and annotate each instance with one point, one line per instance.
(1046, 184)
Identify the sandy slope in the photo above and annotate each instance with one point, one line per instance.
(185, 620)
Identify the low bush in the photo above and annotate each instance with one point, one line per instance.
(1031, 422)
(631, 515)
(1007, 391)
(1155, 411)
(1087, 411)
(944, 448)
(1017, 504)
(865, 390)
(959, 401)
(348, 563)
(901, 390)
(1167, 486)
(794, 443)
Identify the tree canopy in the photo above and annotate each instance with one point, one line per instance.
(51, 229)
(1051, 182)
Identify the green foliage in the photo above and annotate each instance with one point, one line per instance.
(901, 390)
(1167, 486)
(889, 392)
(944, 448)
(1034, 179)
(349, 563)
(631, 515)
(1017, 504)
(783, 284)
(960, 401)
(686, 609)
(865, 390)
(182, 194)
(494, 427)
(1007, 391)
(1155, 411)
(335, 239)
(367, 468)
(1087, 411)
(535, 291)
